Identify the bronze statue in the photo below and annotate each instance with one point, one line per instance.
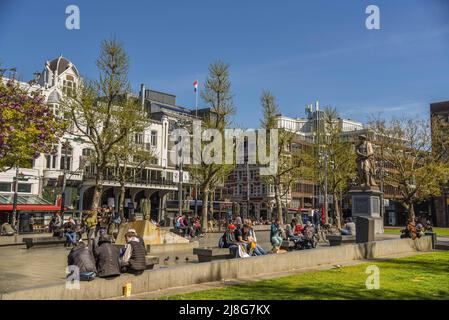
(365, 162)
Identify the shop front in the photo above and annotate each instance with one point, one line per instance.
(34, 213)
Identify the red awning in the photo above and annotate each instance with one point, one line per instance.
(30, 207)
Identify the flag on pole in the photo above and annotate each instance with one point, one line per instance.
(195, 86)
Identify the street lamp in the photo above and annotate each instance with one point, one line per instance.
(66, 145)
(181, 124)
(325, 156)
(14, 201)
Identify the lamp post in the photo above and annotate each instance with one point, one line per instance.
(15, 213)
(64, 171)
(325, 156)
(180, 124)
(180, 183)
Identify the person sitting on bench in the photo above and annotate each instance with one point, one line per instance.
(275, 235)
(70, 229)
(82, 258)
(7, 230)
(107, 258)
(349, 228)
(133, 260)
(228, 240)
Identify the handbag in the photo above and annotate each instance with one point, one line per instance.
(242, 251)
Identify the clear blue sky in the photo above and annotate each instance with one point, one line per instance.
(300, 50)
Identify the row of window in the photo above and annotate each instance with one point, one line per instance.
(22, 187)
(253, 189)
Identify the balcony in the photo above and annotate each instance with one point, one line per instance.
(54, 174)
(110, 180)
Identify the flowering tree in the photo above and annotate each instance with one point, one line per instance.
(27, 125)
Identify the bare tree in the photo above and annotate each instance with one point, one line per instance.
(406, 152)
(289, 160)
(217, 95)
(101, 110)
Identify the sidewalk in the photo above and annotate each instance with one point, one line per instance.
(21, 268)
(18, 239)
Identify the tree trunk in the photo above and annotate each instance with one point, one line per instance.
(277, 196)
(411, 211)
(98, 188)
(337, 209)
(121, 201)
(205, 199)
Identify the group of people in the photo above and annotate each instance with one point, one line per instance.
(91, 223)
(241, 239)
(416, 228)
(101, 258)
(302, 235)
(188, 226)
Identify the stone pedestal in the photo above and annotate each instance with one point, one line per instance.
(364, 229)
(366, 202)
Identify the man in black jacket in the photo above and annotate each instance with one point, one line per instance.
(82, 258)
(107, 258)
(133, 260)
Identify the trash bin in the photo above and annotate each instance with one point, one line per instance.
(364, 230)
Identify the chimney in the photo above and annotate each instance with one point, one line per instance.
(142, 95)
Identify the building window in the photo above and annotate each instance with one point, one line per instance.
(154, 138)
(66, 159)
(68, 86)
(87, 152)
(24, 187)
(139, 138)
(47, 161)
(5, 187)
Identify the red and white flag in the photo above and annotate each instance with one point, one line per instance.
(195, 86)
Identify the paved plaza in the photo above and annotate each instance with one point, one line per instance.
(21, 268)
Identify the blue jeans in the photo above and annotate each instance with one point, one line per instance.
(71, 237)
(345, 232)
(233, 250)
(259, 251)
(276, 241)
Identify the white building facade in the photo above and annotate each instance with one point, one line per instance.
(58, 78)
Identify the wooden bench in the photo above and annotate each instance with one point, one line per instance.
(210, 254)
(150, 261)
(42, 241)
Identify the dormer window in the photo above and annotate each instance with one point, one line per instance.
(68, 85)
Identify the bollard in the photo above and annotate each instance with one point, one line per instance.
(127, 288)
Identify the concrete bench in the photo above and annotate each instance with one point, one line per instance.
(348, 239)
(150, 261)
(210, 254)
(336, 240)
(287, 245)
(43, 241)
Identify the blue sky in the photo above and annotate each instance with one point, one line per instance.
(300, 50)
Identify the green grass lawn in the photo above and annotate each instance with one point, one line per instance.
(439, 231)
(424, 276)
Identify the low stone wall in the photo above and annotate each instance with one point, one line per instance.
(225, 269)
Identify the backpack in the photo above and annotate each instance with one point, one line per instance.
(222, 241)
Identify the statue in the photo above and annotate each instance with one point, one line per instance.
(365, 162)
